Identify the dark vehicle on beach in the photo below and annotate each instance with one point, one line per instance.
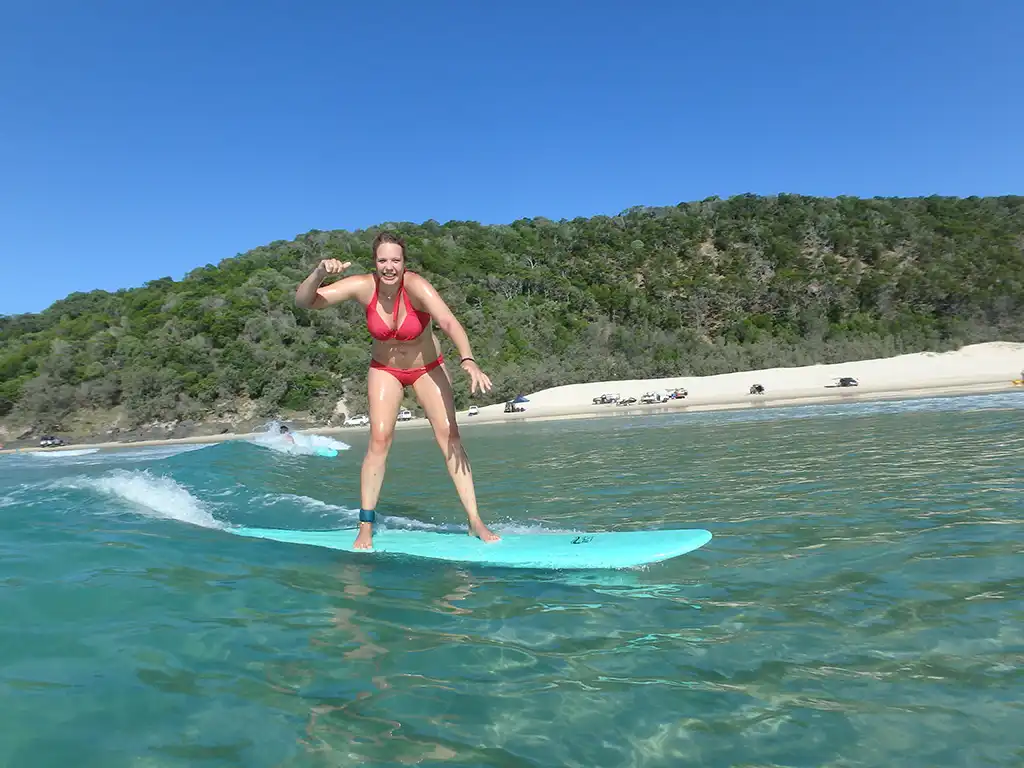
(757, 389)
(844, 381)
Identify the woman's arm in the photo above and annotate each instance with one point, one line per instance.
(309, 294)
(420, 289)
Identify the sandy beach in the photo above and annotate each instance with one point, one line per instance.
(974, 369)
(978, 368)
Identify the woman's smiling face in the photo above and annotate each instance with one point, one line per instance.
(390, 263)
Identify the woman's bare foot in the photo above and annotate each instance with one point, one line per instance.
(482, 532)
(365, 538)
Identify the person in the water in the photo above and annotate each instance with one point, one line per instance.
(400, 306)
(286, 433)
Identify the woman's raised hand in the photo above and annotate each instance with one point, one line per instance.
(333, 266)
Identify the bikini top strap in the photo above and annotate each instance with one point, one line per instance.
(405, 299)
(373, 299)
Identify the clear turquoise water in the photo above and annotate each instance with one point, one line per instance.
(860, 604)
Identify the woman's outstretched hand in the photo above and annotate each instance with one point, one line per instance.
(333, 266)
(308, 296)
(477, 377)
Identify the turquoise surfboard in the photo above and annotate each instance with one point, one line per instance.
(329, 453)
(515, 550)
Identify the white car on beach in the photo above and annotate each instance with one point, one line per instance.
(404, 415)
(360, 420)
(653, 397)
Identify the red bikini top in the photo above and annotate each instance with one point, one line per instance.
(413, 325)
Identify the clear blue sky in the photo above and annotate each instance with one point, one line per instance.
(143, 139)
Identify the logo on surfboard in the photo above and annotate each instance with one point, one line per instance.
(582, 539)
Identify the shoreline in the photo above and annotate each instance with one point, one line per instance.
(753, 402)
(494, 414)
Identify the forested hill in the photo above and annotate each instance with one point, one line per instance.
(700, 288)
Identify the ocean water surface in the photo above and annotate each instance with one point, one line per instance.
(860, 603)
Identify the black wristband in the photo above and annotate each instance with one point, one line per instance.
(465, 359)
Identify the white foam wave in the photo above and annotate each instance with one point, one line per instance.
(150, 495)
(62, 454)
(304, 445)
(322, 507)
(301, 443)
(87, 457)
(11, 498)
(350, 515)
(535, 528)
(154, 453)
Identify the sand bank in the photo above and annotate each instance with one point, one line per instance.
(990, 367)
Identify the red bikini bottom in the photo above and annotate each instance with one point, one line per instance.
(406, 376)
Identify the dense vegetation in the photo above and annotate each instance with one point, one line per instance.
(701, 288)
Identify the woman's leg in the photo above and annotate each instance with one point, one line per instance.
(434, 392)
(384, 393)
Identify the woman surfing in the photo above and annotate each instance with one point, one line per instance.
(400, 306)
